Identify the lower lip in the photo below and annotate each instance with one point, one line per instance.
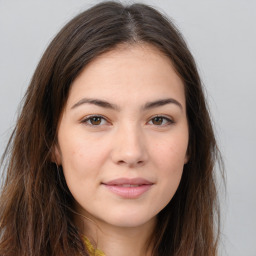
(129, 192)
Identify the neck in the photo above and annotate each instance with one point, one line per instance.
(120, 241)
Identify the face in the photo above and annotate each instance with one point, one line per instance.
(123, 136)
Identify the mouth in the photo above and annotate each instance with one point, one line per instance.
(129, 188)
(129, 185)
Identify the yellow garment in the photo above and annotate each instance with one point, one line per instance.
(92, 251)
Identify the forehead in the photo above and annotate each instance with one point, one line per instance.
(140, 70)
(124, 54)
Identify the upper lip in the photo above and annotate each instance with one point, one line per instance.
(133, 181)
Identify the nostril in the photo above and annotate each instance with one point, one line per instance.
(121, 162)
(130, 163)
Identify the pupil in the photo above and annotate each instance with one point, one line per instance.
(158, 120)
(96, 120)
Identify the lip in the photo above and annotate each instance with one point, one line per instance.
(128, 188)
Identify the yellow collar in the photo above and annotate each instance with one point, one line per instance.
(92, 251)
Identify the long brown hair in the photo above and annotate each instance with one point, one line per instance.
(36, 216)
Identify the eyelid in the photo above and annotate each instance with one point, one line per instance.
(169, 119)
(85, 119)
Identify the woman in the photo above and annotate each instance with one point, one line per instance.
(113, 152)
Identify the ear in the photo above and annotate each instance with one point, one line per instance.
(187, 156)
(186, 159)
(56, 155)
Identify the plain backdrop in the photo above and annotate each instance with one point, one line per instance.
(222, 37)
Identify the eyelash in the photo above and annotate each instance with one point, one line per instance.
(168, 120)
(88, 120)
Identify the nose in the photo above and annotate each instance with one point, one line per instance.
(129, 147)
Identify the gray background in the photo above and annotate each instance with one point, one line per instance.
(221, 35)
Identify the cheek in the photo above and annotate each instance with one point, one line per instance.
(170, 155)
(81, 154)
(81, 167)
(169, 161)
(170, 168)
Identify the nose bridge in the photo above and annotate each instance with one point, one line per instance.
(130, 145)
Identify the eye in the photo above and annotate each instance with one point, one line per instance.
(160, 121)
(94, 120)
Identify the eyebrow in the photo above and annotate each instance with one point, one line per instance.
(97, 102)
(162, 102)
(148, 105)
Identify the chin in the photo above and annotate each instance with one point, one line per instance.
(129, 220)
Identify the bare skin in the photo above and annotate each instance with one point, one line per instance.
(122, 143)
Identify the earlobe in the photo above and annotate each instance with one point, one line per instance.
(186, 159)
(187, 156)
(56, 155)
